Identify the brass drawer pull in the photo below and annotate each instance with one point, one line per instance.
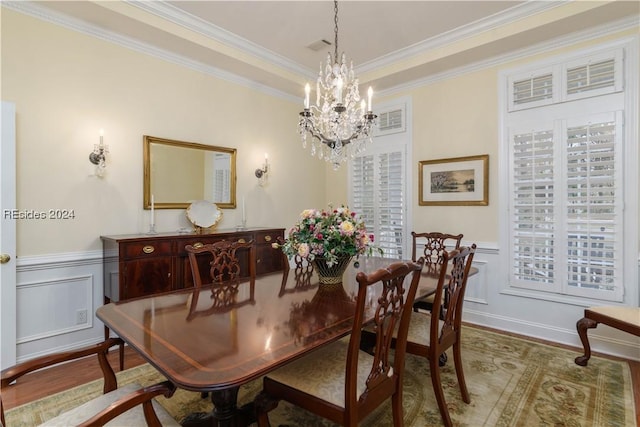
(267, 238)
(242, 241)
(198, 245)
(148, 249)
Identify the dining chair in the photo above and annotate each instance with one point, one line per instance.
(431, 334)
(130, 405)
(431, 247)
(339, 381)
(223, 264)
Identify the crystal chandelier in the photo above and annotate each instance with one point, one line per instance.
(340, 124)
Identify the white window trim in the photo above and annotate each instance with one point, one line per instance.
(630, 181)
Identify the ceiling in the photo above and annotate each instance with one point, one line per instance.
(391, 43)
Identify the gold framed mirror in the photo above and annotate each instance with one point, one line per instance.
(176, 173)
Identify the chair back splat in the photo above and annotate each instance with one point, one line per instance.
(224, 266)
(432, 247)
(341, 382)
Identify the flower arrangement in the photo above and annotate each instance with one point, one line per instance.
(330, 234)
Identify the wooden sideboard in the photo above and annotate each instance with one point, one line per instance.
(136, 265)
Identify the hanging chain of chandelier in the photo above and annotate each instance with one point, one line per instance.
(340, 123)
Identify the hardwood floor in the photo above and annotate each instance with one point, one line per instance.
(40, 384)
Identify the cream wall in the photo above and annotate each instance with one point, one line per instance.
(67, 86)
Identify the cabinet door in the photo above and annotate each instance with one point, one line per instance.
(268, 259)
(147, 276)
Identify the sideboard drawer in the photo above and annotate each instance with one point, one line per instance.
(268, 237)
(147, 249)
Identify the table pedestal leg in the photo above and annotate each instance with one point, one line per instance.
(224, 411)
(224, 406)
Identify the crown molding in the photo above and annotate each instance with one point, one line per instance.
(177, 16)
(552, 45)
(461, 33)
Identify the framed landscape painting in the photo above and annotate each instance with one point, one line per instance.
(459, 181)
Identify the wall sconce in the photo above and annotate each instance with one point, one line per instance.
(99, 155)
(261, 173)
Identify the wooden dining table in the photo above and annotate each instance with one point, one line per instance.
(206, 345)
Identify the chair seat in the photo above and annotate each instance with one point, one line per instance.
(132, 418)
(419, 328)
(322, 373)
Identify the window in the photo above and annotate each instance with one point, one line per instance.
(379, 183)
(565, 194)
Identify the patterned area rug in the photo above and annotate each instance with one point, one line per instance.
(513, 382)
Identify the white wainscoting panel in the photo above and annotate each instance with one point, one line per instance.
(476, 291)
(50, 291)
(63, 305)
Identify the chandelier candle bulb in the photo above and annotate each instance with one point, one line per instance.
(307, 91)
(370, 95)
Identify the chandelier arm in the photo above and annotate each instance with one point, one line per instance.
(315, 133)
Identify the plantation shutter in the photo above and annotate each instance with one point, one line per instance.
(594, 75)
(593, 206)
(533, 207)
(590, 76)
(391, 203)
(532, 89)
(378, 189)
(391, 121)
(363, 190)
(566, 222)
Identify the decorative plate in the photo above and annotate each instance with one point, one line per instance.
(203, 213)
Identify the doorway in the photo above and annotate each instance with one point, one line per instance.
(8, 236)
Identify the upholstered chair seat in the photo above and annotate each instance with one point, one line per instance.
(419, 328)
(132, 418)
(322, 373)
